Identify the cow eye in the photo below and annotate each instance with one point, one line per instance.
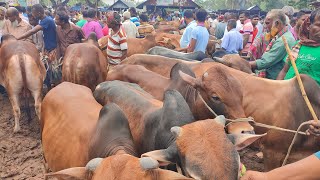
(215, 98)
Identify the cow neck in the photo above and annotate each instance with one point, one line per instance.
(114, 147)
(254, 90)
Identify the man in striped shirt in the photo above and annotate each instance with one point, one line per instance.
(117, 41)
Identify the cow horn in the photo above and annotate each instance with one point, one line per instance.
(93, 164)
(176, 131)
(221, 120)
(148, 163)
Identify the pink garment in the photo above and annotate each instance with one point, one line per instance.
(92, 26)
(294, 33)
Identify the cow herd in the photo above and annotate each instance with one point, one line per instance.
(127, 121)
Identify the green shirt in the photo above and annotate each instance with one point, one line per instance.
(81, 23)
(272, 59)
(308, 62)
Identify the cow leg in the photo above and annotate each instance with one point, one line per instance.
(14, 100)
(37, 102)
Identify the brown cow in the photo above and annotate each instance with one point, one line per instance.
(140, 45)
(150, 121)
(119, 167)
(76, 129)
(171, 41)
(277, 103)
(135, 45)
(84, 64)
(21, 71)
(156, 85)
(162, 65)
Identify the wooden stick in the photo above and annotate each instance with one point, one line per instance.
(303, 92)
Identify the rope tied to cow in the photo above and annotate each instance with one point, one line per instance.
(250, 119)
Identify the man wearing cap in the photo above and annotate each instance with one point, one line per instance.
(129, 27)
(117, 41)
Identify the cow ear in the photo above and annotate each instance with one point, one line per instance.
(160, 155)
(76, 173)
(189, 79)
(163, 156)
(148, 163)
(243, 140)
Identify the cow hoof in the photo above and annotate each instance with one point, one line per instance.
(16, 129)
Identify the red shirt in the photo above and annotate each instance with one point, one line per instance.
(254, 33)
(105, 30)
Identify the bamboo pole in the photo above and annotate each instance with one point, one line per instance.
(303, 92)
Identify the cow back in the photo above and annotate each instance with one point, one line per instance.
(84, 64)
(69, 116)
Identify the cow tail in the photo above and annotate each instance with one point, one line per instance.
(25, 85)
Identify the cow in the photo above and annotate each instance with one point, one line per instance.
(162, 51)
(85, 64)
(277, 103)
(135, 45)
(155, 125)
(118, 167)
(75, 128)
(162, 65)
(21, 71)
(156, 85)
(171, 41)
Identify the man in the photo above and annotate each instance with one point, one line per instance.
(144, 28)
(129, 27)
(199, 34)
(48, 27)
(15, 25)
(83, 21)
(254, 21)
(92, 25)
(301, 16)
(232, 42)
(67, 33)
(3, 11)
(221, 26)
(191, 23)
(176, 16)
(272, 58)
(246, 31)
(117, 42)
(37, 38)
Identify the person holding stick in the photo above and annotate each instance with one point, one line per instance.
(306, 51)
(275, 52)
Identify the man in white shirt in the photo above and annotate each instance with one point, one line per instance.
(129, 27)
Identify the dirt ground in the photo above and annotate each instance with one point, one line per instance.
(20, 154)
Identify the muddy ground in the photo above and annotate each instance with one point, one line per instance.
(20, 154)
